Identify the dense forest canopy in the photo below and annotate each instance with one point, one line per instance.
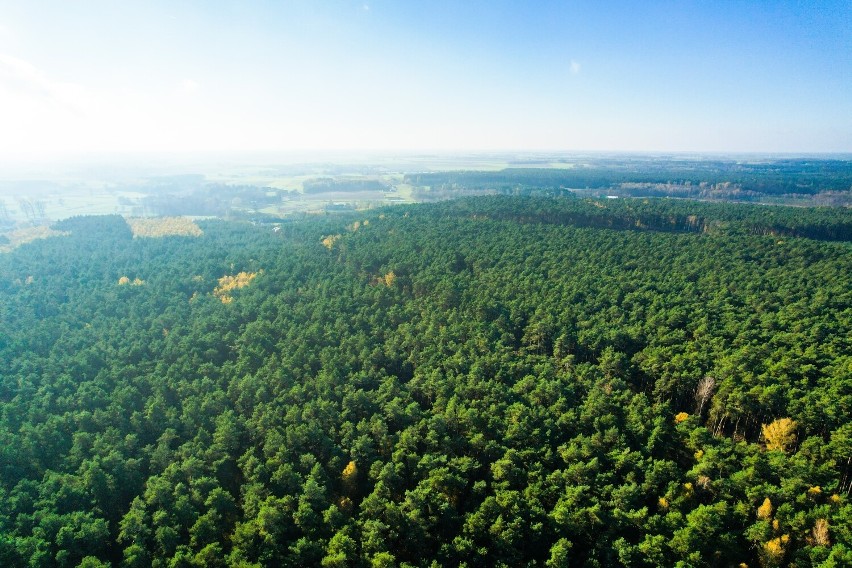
(485, 382)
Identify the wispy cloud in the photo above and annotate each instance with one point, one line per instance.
(575, 67)
(188, 87)
(21, 78)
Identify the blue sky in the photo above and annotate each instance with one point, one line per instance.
(186, 76)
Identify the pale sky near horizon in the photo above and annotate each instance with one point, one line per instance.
(231, 76)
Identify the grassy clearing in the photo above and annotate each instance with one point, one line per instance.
(163, 226)
(21, 236)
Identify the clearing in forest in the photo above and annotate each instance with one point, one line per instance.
(163, 227)
(20, 236)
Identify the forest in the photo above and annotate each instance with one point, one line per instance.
(490, 381)
(793, 180)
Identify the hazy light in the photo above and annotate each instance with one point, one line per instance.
(198, 76)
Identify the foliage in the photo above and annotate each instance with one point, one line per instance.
(655, 177)
(229, 283)
(329, 240)
(779, 434)
(529, 389)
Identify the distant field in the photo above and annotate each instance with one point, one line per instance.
(70, 203)
(322, 184)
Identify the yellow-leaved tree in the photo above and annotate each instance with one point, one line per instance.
(780, 434)
(772, 552)
(765, 510)
(328, 241)
(820, 533)
(349, 477)
(228, 283)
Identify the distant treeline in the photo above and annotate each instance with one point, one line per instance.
(327, 185)
(780, 177)
(214, 200)
(822, 223)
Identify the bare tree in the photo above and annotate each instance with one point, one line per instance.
(27, 208)
(704, 392)
(40, 209)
